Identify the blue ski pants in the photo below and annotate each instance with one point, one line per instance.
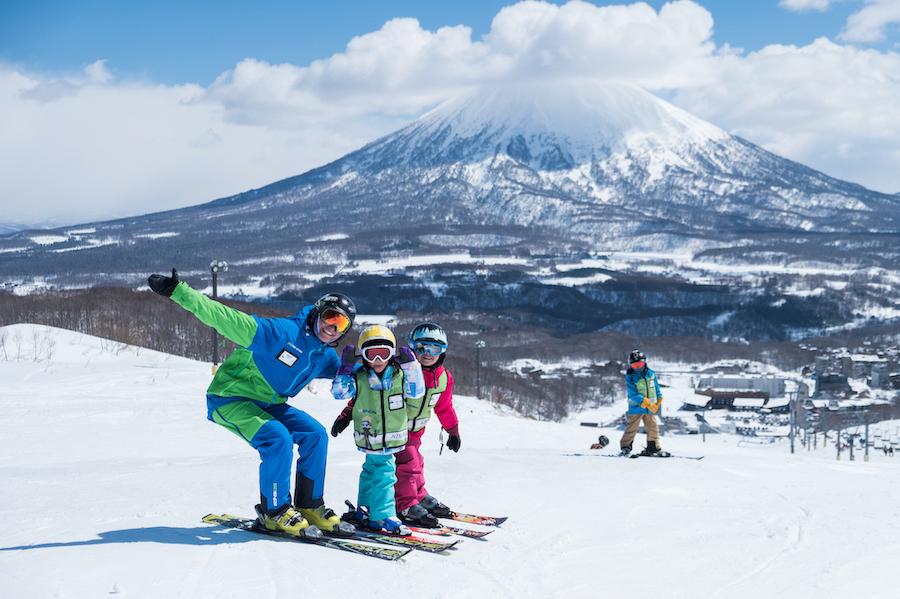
(273, 430)
(376, 485)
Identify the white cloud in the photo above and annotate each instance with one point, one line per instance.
(805, 5)
(870, 23)
(91, 145)
(833, 107)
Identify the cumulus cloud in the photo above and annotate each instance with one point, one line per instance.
(805, 5)
(870, 23)
(830, 106)
(93, 145)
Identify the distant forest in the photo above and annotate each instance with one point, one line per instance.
(592, 362)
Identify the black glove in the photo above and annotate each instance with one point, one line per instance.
(343, 420)
(453, 443)
(162, 284)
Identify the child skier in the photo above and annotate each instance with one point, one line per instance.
(379, 390)
(275, 359)
(414, 504)
(644, 400)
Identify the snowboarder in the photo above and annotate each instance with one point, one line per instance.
(415, 505)
(644, 400)
(379, 389)
(275, 359)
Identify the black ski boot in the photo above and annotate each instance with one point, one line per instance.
(416, 515)
(625, 451)
(437, 509)
(652, 448)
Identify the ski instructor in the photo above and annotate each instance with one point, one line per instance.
(275, 359)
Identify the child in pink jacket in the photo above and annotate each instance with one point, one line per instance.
(415, 505)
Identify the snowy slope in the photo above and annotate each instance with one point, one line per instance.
(107, 464)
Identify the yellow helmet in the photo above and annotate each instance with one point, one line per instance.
(376, 336)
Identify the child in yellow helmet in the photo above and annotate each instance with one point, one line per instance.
(378, 389)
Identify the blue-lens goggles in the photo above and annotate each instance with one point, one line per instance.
(432, 350)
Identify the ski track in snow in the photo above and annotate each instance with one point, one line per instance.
(107, 464)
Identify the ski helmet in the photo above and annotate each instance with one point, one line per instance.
(428, 332)
(376, 342)
(636, 356)
(336, 302)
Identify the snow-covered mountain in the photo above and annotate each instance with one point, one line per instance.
(537, 178)
(107, 464)
(609, 161)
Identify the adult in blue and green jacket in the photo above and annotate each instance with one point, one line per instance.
(275, 359)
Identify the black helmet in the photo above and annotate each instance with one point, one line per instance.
(636, 355)
(334, 301)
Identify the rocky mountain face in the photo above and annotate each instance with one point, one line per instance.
(528, 199)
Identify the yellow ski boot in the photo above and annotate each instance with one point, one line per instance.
(325, 519)
(286, 520)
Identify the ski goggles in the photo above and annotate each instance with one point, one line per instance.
(338, 320)
(432, 350)
(378, 353)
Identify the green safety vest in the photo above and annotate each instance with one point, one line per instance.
(379, 417)
(418, 411)
(646, 386)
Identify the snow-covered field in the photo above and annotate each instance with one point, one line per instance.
(107, 464)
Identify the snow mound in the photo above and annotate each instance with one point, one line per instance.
(107, 464)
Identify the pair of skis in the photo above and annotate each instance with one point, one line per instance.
(369, 543)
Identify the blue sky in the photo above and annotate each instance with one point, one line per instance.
(110, 109)
(176, 42)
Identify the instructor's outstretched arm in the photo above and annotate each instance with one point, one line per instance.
(232, 324)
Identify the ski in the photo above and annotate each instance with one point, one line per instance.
(478, 519)
(666, 454)
(447, 531)
(595, 455)
(312, 538)
(634, 455)
(409, 541)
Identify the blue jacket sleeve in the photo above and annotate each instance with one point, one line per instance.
(331, 366)
(658, 392)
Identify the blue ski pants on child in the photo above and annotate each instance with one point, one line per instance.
(273, 430)
(376, 485)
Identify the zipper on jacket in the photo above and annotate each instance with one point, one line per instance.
(313, 354)
(383, 418)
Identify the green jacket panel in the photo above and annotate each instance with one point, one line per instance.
(646, 386)
(379, 417)
(232, 324)
(418, 411)
(238, 375)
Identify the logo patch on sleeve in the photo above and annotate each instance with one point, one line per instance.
(287, 358)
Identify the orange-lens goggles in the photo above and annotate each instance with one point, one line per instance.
(339, 320)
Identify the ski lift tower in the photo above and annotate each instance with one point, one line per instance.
(792, 392)
(478, 346)
(215, 267)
